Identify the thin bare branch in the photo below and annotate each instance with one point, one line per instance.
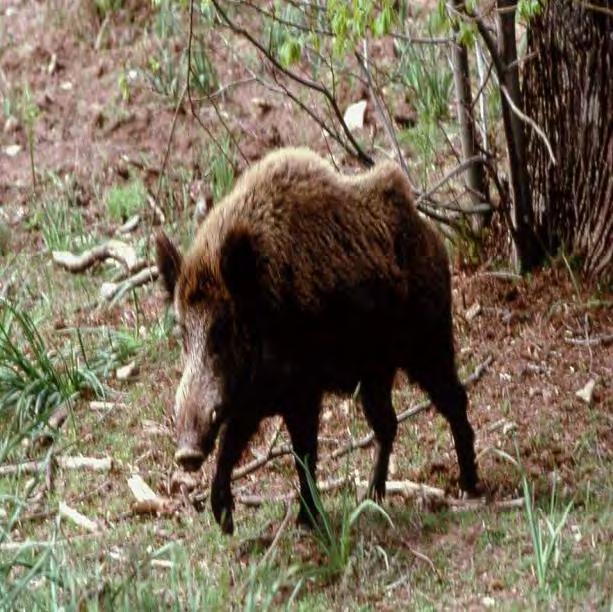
(531, 122)
(457, 170)
(361, 155)
(385, 119)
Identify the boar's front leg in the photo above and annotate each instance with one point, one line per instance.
(234, 438)
(302, 421)
(376, 393)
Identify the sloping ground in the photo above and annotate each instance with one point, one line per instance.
(549, 335)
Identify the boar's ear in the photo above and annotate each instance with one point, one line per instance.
(239, 263)
(169, 262)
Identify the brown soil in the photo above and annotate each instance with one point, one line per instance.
(86, 129)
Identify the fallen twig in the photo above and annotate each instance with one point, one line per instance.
(77, 518)
(67, 463)
(258, 500)
(32, 544)
(593, 341)
(147, 501)
(268, 554)
(45, 514)
(501, 275)
(423, 557)
(112, 249)
(405, 488)
(113, 292)
(158, 214)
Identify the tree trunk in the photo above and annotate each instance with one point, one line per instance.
(568, 91)
(470, 147)
(528, 250)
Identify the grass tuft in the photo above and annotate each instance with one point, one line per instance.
(33, 379)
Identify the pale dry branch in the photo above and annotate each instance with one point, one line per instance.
(405, 488)
(421, 556)
(45, 514)
(65, 511)
(593, 341)
(113, 249)
(104, 464)
(273, 545)
(94, 464)
(113, 292)
(147, 501)
(531, 122)
(451, 174)
(35, 544)
(383, 116)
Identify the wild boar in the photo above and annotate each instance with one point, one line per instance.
(304, 281)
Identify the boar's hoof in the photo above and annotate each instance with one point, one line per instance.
(221, 502)
(375, 492)
(308, 520)
(475, 492)
(190, 459)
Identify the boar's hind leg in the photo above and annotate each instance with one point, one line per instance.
(376, 394)
(234, 439)
(435, 372)
(302, 421)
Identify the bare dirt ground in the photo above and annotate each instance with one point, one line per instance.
(548, 334)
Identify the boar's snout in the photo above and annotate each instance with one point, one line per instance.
(195, 438)
(189, 458)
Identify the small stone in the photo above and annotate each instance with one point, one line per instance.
(488, 602)
(12, 150)
(587, 392)
(127, 372)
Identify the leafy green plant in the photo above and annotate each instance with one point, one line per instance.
(336, 543)
(24, 564)
(29, 116)
(545, 530)
(431, 82)
(164, 73)
(104, 8)
(33, 379)
(123, 201)
(203, 78)
(167, 19)
(221, 169)
(62, 227)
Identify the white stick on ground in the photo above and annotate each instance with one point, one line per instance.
(95, 464)
(112, 249)
(77, 518)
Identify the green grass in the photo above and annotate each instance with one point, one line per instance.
(33, 379)
(124, 201)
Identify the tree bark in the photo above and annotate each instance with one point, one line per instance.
(568, 91)
(470, 147)
(529, 253)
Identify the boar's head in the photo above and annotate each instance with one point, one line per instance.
(218, 353)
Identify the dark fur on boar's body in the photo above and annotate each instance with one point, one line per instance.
(304, 281)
